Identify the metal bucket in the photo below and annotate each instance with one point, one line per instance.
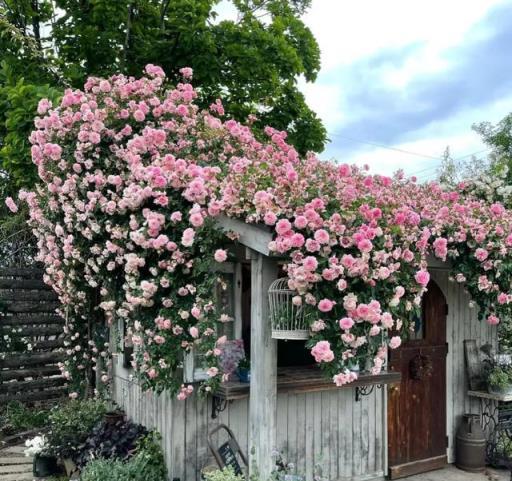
(470, 444)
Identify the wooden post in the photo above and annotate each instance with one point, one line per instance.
(263, 398)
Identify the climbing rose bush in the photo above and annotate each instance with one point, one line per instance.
(133, 176)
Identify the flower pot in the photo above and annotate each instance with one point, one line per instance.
(244, 375)
(44, 466)
(113, 417)
(354, 367)
(501, 390)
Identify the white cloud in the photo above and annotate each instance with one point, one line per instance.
(455, 133)
(351, 32)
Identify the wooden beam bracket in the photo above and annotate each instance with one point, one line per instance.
(219, 405)
(366, 390)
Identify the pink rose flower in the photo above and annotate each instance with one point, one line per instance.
(346, 323)
(283, 226)
(322, 236)
(310, 263)
(325, 305)
(365, 245)
(11, 205)
(493, 320)
(220, 255)
(422, 277)
(322, 352)
(395, 342)
(481, 254)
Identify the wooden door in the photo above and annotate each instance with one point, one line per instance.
(417, 406)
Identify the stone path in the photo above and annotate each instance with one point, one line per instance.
(14, 465)
(451, 473)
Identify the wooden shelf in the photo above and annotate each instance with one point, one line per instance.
(488, 395)
(304, 379)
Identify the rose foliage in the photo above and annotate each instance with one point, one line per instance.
(132, 178)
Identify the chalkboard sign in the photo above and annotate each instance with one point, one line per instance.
(229, 453)
(228, 457)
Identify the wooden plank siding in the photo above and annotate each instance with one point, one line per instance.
(312, 428)
(347, 438)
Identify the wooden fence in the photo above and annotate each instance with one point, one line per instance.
(30, 337)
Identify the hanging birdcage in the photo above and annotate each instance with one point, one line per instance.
(288, 320)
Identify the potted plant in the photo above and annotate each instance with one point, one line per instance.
(44, 463)
(244, 370)
(500, 380)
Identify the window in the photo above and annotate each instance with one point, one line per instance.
(226, 292)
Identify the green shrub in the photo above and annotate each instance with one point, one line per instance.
(226, 474)
(17, 417)
(500, 377)
(71, 424)
(146, 465)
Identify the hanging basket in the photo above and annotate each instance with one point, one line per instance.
(288, 321)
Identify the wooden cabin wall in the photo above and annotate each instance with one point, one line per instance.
(344, 437)
(462, 323)
(347, 438)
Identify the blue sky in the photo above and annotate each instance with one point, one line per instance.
(409, 75)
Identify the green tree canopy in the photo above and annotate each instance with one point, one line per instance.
(253, 61)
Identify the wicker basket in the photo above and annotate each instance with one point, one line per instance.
(288, 321)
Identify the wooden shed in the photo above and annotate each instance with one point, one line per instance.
(400, 422)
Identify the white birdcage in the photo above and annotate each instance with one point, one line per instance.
(288, 320)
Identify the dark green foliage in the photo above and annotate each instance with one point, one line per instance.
(499, 136)
(110, 440)
(252, 62)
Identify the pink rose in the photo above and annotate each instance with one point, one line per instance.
(220, 255)
(11, 205)
(365, 245)
(187, 72)
(322, 236)
(395, 342)
(283, 227)
(300, 222)
(481, 254)
(346, 323)
(310, 263)
(325, 305)
(493, 320)
(422, 277)
(194, 332)
(322, 352)
(502, 298)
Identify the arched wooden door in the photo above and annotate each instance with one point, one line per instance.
(417, 406)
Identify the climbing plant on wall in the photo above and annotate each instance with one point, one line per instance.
(133, 175)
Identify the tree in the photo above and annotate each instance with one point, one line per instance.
(253, 62)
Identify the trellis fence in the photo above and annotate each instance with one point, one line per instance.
(31, 343)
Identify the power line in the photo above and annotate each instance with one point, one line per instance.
(396, 149)
(455, 160)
